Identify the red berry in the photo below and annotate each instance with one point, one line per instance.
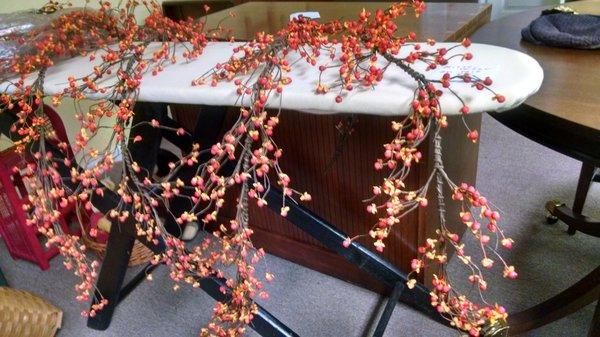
(473, 135)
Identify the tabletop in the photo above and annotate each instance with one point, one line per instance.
(571, 77)
(441, 21)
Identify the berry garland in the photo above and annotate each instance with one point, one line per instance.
(358, 51)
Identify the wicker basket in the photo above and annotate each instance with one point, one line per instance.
(140, 254)
(25, 315)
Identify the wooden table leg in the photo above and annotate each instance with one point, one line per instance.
(583, 186)
(582, 293)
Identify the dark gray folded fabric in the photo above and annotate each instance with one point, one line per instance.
(564, 30)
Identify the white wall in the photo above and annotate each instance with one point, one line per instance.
(66, 110)
(501, 8)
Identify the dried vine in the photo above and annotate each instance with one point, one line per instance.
(358, 51)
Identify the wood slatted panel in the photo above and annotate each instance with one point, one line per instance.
(337, 187)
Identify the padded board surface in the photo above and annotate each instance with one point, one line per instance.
(516, 76)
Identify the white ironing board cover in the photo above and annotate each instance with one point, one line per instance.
(515, 75)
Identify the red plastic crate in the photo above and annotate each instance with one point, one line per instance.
(23, 241)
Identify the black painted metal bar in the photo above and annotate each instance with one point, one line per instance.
(111, 276)
(389, 309)
(3, 282)
(375, 265)
(136, 280)
(263, 323)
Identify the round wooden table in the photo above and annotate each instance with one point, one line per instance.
(565, 116)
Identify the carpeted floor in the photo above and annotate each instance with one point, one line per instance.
(519, 177)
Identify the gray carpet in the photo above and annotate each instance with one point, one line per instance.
(518, 176)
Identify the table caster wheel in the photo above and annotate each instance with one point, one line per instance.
(551, 219)
(550, 207)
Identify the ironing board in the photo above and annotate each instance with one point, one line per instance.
(516, 76)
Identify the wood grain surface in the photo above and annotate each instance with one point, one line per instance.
(441, 21)
(571, 84)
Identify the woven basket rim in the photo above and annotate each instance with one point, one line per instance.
(27, 313)
(140, 254)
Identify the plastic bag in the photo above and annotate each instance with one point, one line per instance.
(16, 25)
